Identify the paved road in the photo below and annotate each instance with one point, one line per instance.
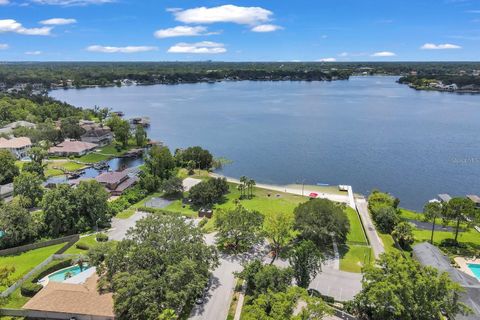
(220, 295)
(120, 226)
(375, 241)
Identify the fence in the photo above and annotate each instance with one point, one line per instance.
(70, 239)
(343, 315)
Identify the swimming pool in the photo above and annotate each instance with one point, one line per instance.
(475, 269)
(64, 274)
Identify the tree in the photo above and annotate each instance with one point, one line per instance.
(59, 207)
(281, 305)
(202, 158)
(36, 166)
(238, 229)
(386, 218)
(461, 210)
(320, 219)
(208, 192)
(306, 260)
(162, 264)
(172, 186)
(91, 201)
(262, 278)
(29, 186)
(9, 169)
(250, 184)
(387, 288)
(279, 230)
(140, 135)
(17, 225)
(5, 273)
(71, 129)
(159, 162)
(377, 200)
(432, 211)
(403, 233)
(191, 165)
(122, 133)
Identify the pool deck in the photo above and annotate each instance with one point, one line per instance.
(81, 277)
(463, 264)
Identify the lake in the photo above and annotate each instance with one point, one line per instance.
(369, 132)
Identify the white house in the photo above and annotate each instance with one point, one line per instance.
(18, 146)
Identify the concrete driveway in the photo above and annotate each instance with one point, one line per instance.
(341, 285)
(373, 238)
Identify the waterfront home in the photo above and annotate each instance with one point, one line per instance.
(81, 301)
(429, 255)
(8, 129)
(444, 198)
(475, 199)
(72, 148)
(116, 182)
(19, 147)
(6, 191)
(101, 136)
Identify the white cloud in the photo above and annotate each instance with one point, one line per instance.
(384, 54)
(444, 46)
(10, 25)
(266, 28)
(4, 46)
(199, 47)
(343, 54)
(182, 31)
(327, 60)
(33, 53)
(4, 2)
(71, 2)
(58, 21)
(225, 13)
(127, 49)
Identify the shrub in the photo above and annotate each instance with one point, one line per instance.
(29, 289)
(386, 218)
(82, 246)
(101, 237)
(202, 222)
(208, 192)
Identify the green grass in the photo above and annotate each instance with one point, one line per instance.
(89, 241)
(15, 300)
(93, 157)
(354, 257)
(51, 169)
(26, 261)
(388, 242)
(130, 211)
(356, 234)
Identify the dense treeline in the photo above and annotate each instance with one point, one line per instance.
(459, 80)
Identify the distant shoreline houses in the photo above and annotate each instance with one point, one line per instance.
(19, 147)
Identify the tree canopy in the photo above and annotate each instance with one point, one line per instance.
(9, 169)
(202, 158)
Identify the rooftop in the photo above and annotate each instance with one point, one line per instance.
(444, 197)
(474, 198)
(81, 299)
(72, 146)
(111, 177)
(15, 143)
(429, 255)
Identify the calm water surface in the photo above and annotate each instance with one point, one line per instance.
(369, 132)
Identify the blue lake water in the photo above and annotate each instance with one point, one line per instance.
(369, 132)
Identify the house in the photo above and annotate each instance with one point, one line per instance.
(116, 182)
(94, 133)
(6, 191)
(444, 198)
(72, 148)
(19, 147)
(8, 129)
(81, 301)
(429, 255)
(475, 199)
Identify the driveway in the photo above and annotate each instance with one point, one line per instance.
(341, 285)
(220, 295)
(373, 238)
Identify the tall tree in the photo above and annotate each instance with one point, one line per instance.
(92, 205)
(17, 225)
(59, 207)
(140, 135)
(461, 210)
(397, 288)
(403, 233)
(432, 211)
(159, 162)
(306, 260)
(29, 186)
(319, 219)
(9, 169)
(238, 229)
(279, 230)
(162, 264)
(70, 128)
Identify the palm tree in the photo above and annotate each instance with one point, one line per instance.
(251, 184)
(243, 181)
(432, 211)
(241, 188)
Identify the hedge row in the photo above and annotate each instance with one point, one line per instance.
(30, 287)
(127, 199)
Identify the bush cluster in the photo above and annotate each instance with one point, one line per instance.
(130, 197)
(31, 287)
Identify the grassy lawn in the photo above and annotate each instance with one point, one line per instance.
(356, 234)
(388, 242)
(93, 157)
(89, 241)
(15, 300)
(354, 257)
(26, 261)
(127, 213)
(51, 169)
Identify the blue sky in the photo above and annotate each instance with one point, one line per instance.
(267, 30)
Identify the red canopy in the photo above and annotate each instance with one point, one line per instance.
(313, 195)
